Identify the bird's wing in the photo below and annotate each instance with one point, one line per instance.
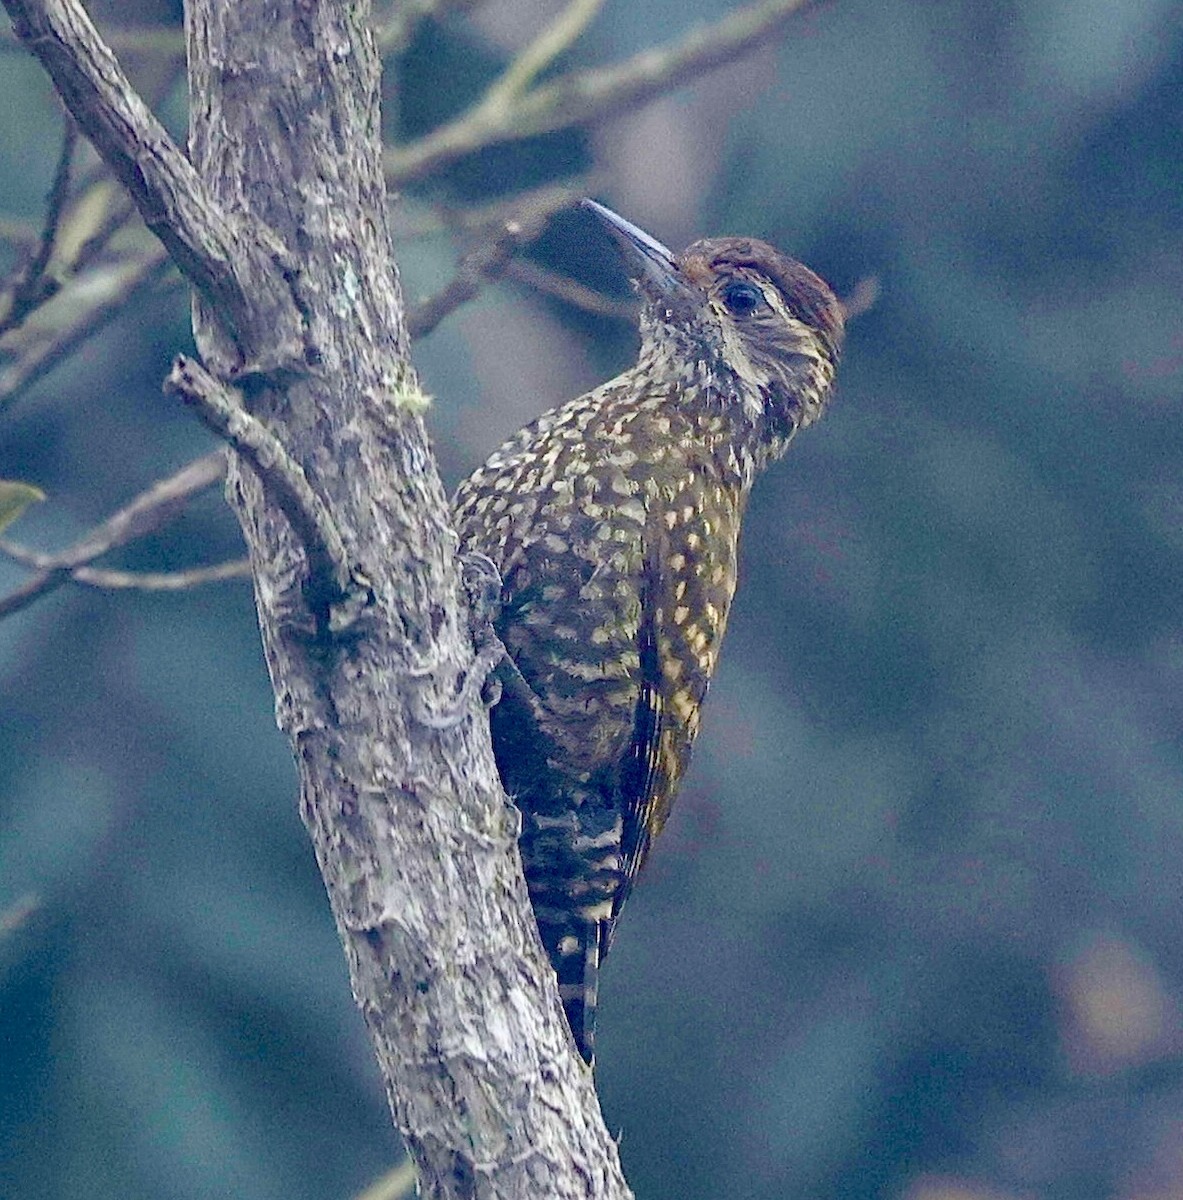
(644, 781)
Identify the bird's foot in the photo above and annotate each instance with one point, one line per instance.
(482, 587)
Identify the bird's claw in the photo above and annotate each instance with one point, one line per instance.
(482, 587)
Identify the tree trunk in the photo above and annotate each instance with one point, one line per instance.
(413, 834)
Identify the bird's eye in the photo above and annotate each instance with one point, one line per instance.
(742, 299)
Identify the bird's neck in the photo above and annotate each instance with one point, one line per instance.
(705, 408)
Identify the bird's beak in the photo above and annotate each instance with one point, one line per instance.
(649, 262)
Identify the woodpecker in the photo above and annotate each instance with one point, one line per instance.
(614, 523)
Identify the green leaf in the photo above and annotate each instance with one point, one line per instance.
(15, 498)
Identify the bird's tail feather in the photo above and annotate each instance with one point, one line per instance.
(573, 944)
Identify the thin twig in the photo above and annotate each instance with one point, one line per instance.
(118, 216)
(283, 479)
(474, 270)
(86, 300)
(33, 287)
(486, 262)
(151, 509)
(144, 581)
(485, 218)
(557, 37)
(162, 581)
(56, 202)
(570, 291)
(585, 97)
(148, 39)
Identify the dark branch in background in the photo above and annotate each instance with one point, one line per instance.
(33, 285)
(145, 514)
(570, 291)
(585, 97)
(39, 350)
(489, 260)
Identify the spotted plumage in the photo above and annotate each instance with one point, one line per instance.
(614, 522)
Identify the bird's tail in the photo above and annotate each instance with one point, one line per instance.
(573, 870)
(573, 942)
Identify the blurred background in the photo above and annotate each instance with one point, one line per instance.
(914, 929)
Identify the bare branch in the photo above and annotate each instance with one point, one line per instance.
(142, 581)
(77, 302)
(484, 263)
(570, 291)
(557, 37)
(487, 261)
(119, 214)
(150, 510)
(162, 40)
(33, 286)
(487, 217)
(591, 96)
(162, 581)
(171, 197)
(283, 479)
(80, 302)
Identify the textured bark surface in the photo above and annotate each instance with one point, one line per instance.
(281, 227)
(412, 832)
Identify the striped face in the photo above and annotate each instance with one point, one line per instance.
(761, 333)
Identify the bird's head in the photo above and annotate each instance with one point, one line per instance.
(755, 328)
